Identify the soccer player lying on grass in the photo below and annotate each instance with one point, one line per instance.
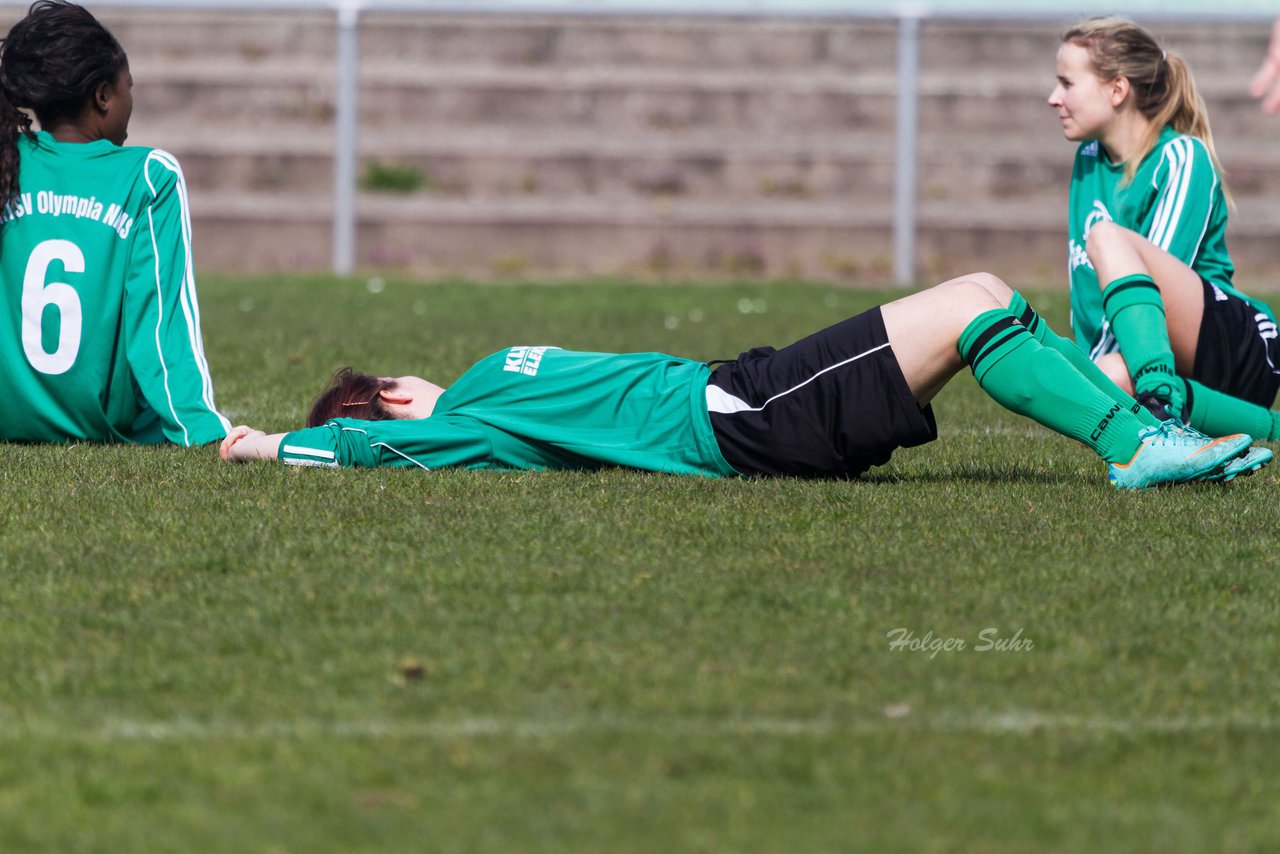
(99, 323)
(831, 405)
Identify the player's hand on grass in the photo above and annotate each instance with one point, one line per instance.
(234, 450)
(1266, 82)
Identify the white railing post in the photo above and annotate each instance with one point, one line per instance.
(346, 143)
(904, 203)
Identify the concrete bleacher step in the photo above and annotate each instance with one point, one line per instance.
(445, 236)
(494, 162)
(514, 40)
(491, 162)
(692, 42)
(618, 101)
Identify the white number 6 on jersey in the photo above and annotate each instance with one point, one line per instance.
(36, 294)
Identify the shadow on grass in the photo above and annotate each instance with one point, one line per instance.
(981, 474)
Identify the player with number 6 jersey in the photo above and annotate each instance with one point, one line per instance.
(99, 322)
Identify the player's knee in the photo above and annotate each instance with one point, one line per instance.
(975, 293)
(993, 285)
(1102, 238)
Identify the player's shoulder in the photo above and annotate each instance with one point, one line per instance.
(160, 169)
(1174, 150)
(156, 168)
(1180, 163)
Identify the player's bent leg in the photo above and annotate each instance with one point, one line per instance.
(1028, 378)
(923, 329)
(989, 282)
(1037, 381)
(1116, 386)
(1136, 312)
(1111, 375)
(1116, 252)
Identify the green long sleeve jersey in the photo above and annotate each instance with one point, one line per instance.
(540, 408)
(1175, 200)
(99, 324)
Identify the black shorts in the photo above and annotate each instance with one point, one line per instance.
(832, 405)
(1237, 351)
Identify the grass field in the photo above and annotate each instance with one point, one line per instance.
(201, 657)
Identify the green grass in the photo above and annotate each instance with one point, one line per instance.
(200, 657)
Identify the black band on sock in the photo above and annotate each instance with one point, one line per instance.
(975, 348)
(1005, 328)
(1029, 319)
(1121, 287)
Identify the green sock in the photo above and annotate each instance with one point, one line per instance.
(1028, 378)
(1135, 311)
(1219, 414)
(1043, 332)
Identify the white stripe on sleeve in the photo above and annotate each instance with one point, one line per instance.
(308, 452)
(1173, 193)
(164, 369)
(187, 294)
(1180, 154)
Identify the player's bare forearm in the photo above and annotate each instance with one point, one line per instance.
(1266, 82)
(244, 443)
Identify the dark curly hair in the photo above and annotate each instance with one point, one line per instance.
(50, 63)
(351, 394)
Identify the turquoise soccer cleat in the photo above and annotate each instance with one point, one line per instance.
(1241, 466)
(1170, 455)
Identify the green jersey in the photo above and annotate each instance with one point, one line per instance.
(541, 408)
(99, 324)
(1175, 200)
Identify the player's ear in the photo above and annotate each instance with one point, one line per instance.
(1118, 89)
(395, 396)
(102, 95)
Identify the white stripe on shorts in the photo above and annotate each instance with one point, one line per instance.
(719, 400)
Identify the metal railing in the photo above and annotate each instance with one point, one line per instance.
(908, 15)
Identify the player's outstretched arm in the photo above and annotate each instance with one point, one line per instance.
(244, 443)
(162, 313)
